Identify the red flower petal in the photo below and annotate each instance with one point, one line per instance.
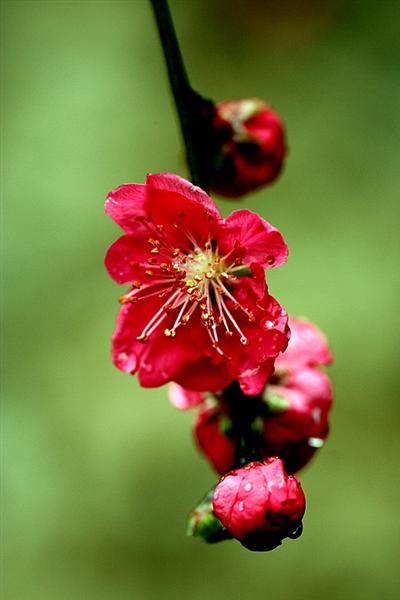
(174, 183)
(184, 219)
(168, 358)
(126, 350)
(125, 204)
(184, 399)
(262, 242)
(205, 374)
(125, 258)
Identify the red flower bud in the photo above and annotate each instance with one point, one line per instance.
(250, 146)
(260, 504)
(211, 432)
(296, 433)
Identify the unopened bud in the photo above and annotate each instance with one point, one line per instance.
(250, 146)
(260, 504)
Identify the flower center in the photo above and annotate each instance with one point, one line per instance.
(200, 279)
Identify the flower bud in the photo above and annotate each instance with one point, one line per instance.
(296, 433)
(304, 392)
(249, 146)
(260, 504)
(211, 432)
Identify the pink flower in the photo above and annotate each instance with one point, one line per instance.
(251, 146)
(304, 393)
(260, 504)
(198, 311)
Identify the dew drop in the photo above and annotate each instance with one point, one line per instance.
(248, 487)
(315, 442)
(270, 260)
(241, 506)
(268, 325)
(296, 532)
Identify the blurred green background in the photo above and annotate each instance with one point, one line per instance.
(99, 474)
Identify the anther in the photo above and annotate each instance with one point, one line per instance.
(142, 338)
(149, 273)
(169, 332)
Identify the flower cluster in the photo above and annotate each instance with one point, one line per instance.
(289, 418)
(197, 313)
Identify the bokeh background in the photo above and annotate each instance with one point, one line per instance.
(99, 474)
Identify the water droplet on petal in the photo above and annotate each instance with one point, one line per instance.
(241, 506)
(268, 325)
(296, 532)
(248, 487)
(315, 442)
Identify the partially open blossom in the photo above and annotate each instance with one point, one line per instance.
(198, 311)
(260, 504)
(304, 393)
(250, 146)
